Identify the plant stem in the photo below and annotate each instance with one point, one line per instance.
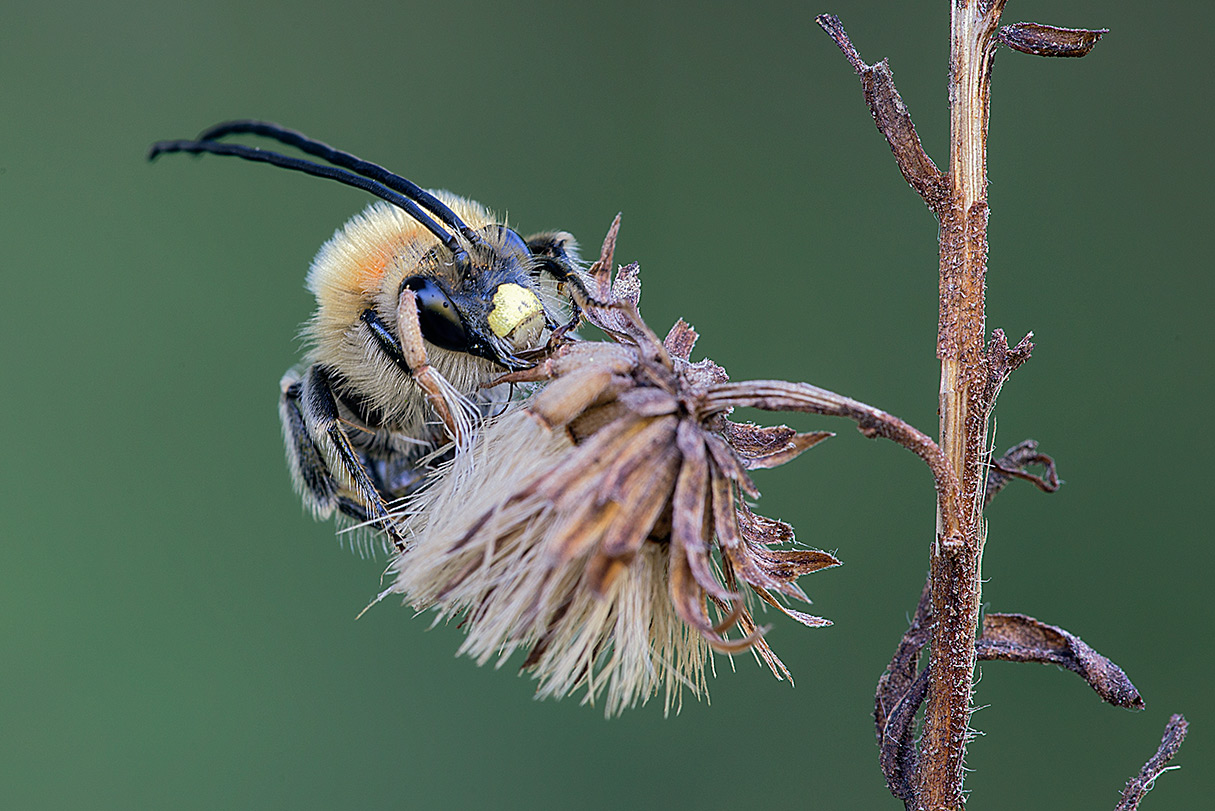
(964, 410)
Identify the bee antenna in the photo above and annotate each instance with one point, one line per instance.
(338, 157)
(349, 178)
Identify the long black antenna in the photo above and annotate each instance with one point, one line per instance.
(459, 254)
(338, 157)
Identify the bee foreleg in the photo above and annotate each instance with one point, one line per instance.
(414, 354)
(317, 443)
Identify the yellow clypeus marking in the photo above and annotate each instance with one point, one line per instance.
(513, 306)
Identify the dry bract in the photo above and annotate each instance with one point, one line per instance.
(600, 525)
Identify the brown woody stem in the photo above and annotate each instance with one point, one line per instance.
(971, 375)
(1158, 764)
(964, 410)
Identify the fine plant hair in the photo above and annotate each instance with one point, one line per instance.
(926, 772)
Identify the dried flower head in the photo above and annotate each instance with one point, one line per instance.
(600, 524)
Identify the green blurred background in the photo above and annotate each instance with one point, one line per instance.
(175, 632)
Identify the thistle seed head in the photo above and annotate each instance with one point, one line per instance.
(601, 525)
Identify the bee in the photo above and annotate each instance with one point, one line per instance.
(422, 300)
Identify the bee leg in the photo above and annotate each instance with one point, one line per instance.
(309, 471)
(355, 511)
(533, 374)
(314, 439)
(410, 357)
(442, 396)
(557, 255)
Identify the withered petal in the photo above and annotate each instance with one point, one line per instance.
(585, 462)
(750, 440)
(725, 523)
(649, 444)
(752, 635)
(691, 488)
(797, 445)
(689, 538)
(627, 285)
(644, 498)
(725, 515)
(619, 359)
(649, 402)
(689, 602)
(808, 620)
(760, 529)
(703, 373)
(790, 564)
(576, 531)
(600, 273)
(687, 596)
(566, 397)
(722, 645)
(737, 607)
(681, 339)
(730, 464)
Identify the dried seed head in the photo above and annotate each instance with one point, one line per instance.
(599, 525)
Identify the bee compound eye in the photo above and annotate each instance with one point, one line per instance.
(512, 243)
(438, 317)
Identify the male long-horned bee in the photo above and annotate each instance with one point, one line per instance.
(422, 299)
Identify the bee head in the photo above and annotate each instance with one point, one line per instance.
(486, 306)
(477, 294)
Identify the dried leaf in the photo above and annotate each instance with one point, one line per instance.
(1048, 40)
(900, 692)
(1002, 362)
(892, 119)
(1018, 638)
(1012, 466)
(898, 755)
